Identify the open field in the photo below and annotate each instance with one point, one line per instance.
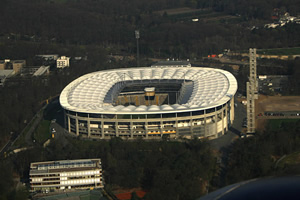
(178, 11)
(42, 133)
(280, 51)
(275, 103)
(205, 15)
(275, 124)
(291, 159)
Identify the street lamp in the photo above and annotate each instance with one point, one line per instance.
(137, 36)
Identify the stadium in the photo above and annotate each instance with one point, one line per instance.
(164, 100)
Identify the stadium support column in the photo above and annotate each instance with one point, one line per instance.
(232, 110)
(176, 126)
(146, 129)
(131, 128)
(216, 123)
(191, 124)
(116, 128)
(205, 131)
(161, 128)
(222, 116)
(69, 124)
(77, 125)
(102, 128)
(251, 92)
(226, 114)
(65, 120)
(88, 127)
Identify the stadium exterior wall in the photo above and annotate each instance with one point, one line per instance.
(210, 122)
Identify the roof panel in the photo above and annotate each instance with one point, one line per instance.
(87, 93)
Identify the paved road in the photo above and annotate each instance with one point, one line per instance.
(279, 115)
(219, 143)
(234, 131)
(28, 137)
(37, 119)
(60, 133)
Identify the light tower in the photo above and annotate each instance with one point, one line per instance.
(252, 93)
(137, 36)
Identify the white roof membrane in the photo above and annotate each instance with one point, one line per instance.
(211, 88)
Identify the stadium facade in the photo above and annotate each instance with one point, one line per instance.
(185, 102)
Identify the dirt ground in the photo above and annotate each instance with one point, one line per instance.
(274, 103)
(277, 103)
(177, 11)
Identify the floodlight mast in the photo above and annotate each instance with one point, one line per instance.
(137, 36)
(252, 92)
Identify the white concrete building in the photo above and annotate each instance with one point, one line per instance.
(65, 174)
(63, 62)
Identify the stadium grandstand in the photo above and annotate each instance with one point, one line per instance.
(165, 100)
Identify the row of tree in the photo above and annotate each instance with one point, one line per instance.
(256, 157)
(112, 23)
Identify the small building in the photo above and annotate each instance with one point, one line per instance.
(6, 73)
(42, 71)
(18, 65)
(15, 65)
(35, 70)
(63, 62)
(48, 56)
(52, 176)
(149, 93)
(2, 64)
(29, 70)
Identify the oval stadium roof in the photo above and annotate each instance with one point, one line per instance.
(211, 88)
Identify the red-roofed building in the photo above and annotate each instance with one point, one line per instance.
(128, 195)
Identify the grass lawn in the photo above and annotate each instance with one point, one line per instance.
(42, 133)
(275, 124)
(280, 51)
(291, 159)
(20, 142)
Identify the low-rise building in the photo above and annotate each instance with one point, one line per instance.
(5, 73)
(34, 70)
(66, 175)
(42, 71)
(63, 62)
(48, 56)
(15, 65)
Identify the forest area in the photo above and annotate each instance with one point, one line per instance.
(99, 29)
(164, 169)
(111, 25)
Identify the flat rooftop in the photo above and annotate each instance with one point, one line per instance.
(65, 164)
(172, 63)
